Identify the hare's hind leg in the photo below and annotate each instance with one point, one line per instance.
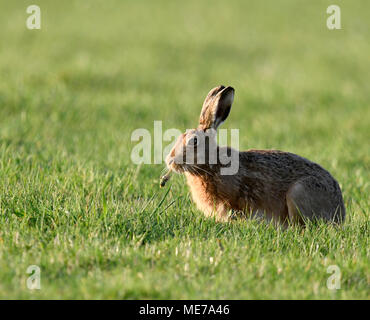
(309, 198)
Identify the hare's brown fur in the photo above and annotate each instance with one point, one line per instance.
(270, 184)
(279, 186)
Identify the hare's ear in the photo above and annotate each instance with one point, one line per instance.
(216, 107)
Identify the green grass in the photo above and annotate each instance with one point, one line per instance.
(73, 203)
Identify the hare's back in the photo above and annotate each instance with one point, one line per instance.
(282, 167)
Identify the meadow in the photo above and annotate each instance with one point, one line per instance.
(97, 225)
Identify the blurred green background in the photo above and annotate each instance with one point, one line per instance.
(71, 94)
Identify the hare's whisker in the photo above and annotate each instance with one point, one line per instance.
(204, 170)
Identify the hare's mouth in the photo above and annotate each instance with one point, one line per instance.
(173, 166)
(194, 169)
(177, 168)
(182, 167)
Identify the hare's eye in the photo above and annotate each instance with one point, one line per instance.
(193, 141)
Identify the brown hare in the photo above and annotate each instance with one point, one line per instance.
(280, 186)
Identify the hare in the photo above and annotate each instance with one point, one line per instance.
(281, 187)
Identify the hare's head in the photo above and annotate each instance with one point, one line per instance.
(197, 148)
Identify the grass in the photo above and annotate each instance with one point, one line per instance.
(73, 203)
